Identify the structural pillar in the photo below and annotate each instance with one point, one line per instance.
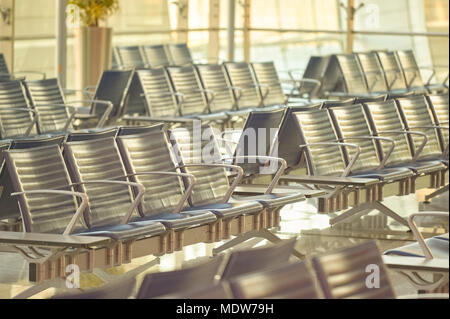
(61, 42)
(231, 28)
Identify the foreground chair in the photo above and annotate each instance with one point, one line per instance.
(91, 161)
(47, 205)
(354, 273)
(424, 256)
(251, 260)
(327, 165)
(17, 119)
(292, 281)
(161, 284)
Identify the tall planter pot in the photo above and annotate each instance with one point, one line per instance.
(93, 54)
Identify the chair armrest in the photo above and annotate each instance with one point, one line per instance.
(278, 174)
(418, 151)
(418, 235)
(93, 103)
(188, 192)
(136, 202)
(233, 186)
(78, 213)
(375, 138)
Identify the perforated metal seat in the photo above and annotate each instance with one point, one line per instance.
(179, 54)
(342, 274)
(130, 57)
(412, 73)
(352, 127)
(392, 71)
(291, 281)
(16, 118)
(386, 121)
(50, 211)
(101, 160)
(240, 75)
(212, 191)
(373, 71)
(155, 56)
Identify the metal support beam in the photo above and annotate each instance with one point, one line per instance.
(231, 28)
(61, 42)
(350, 25)
(214, 34)
(183, 20)
(7, 32)
(247, 26)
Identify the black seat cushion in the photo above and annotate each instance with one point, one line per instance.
(439, 249)
(126, 232)
(272, 200)
(179, 221)
(232, 209)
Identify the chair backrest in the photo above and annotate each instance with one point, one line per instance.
(352, 74)
(43, 94)
(416, 113)
(258, 259)
(151, 94)
(392, 70)
(212, 182)
(10, 209)
(315, 70)
(289, 139)
(113, 87)
(165, 283)
(315, 126)
(3, 66)
(266, 74)
(260, 135)
(155, 55)
(130, 57)
(186, 82)
(213, 78)
(332, 80)
(373, 71)
(440, 106)
(410, 68)
(118, 290)
(350, 123)
(385, 117)
(92, 135)
(41, 168)
(152, 152)
(138, 130)
(179, 54)
(14, 123)
(99, 160)
(292, 281)
(240, 75)
(346, 274)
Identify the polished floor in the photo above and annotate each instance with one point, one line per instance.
(314, 236)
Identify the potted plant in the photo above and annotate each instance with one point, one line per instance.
(93, 40)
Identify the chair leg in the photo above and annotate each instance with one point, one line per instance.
(263, 233)
(368, 207)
